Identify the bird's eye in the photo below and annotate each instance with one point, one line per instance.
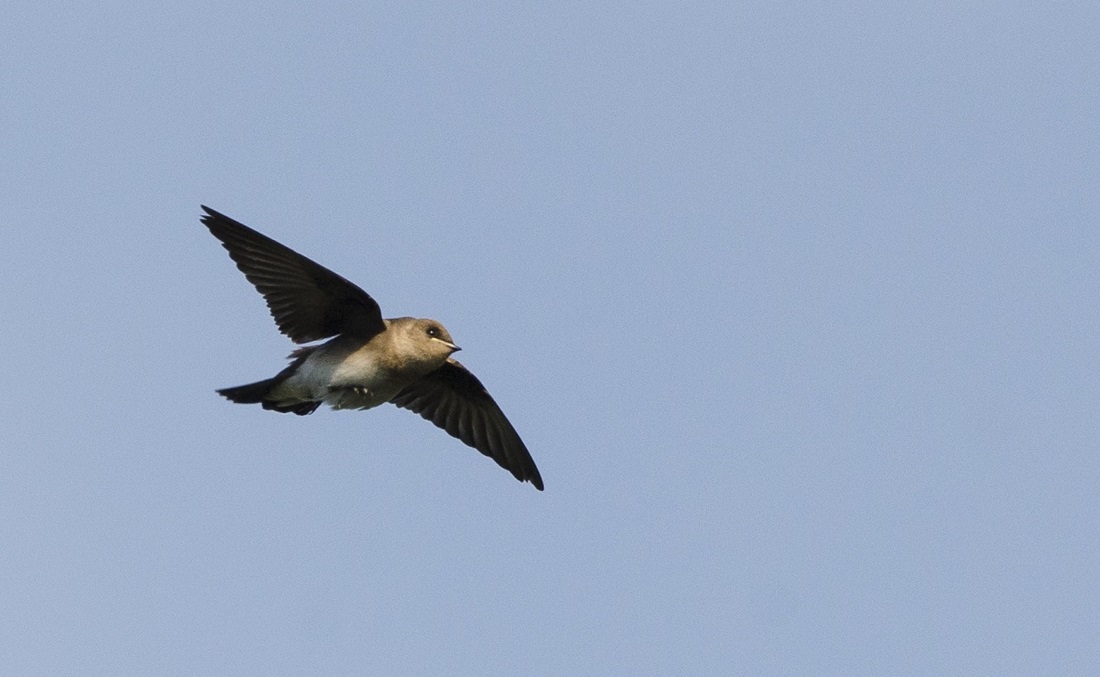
(433, 332)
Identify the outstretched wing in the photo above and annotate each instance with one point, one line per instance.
(308, 301)
(454, 399)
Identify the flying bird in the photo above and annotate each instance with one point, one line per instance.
(367, 360)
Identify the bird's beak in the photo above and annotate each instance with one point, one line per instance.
(453, 347)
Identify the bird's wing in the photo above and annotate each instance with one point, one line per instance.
(454, 399)
(308, 301)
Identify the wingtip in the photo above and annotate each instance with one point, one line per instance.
(208, 219)
(531, 475)
(527, 471)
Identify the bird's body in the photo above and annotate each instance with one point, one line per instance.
(369, 361)
(346, 373)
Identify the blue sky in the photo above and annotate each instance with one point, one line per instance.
(795, 306)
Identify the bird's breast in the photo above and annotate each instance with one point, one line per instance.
(354, 379)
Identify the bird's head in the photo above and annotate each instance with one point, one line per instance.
(424, 342)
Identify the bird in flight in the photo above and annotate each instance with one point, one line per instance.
(367, 360)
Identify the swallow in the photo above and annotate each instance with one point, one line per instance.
(366, 360)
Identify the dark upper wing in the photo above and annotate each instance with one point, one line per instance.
(307, 300)
(453, 399)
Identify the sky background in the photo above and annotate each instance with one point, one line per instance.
(794, 304)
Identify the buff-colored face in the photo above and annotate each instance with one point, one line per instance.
(422, 340)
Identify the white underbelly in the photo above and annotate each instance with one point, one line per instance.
(340, 379)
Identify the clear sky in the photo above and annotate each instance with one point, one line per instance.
(794, 304)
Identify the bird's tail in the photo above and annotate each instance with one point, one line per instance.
(253, 393)
(256, 393)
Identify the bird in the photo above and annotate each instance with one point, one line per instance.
(366, 360)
